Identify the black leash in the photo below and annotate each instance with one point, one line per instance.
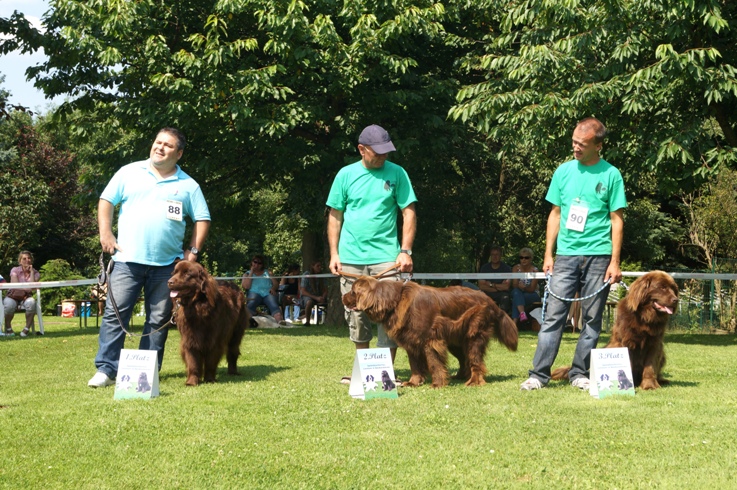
(103, 279)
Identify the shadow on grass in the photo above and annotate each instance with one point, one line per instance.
(321, 331)
(701, 339)
(405, 374)
(717, 340)
(676, 383)
(58, 334)
(247, 373)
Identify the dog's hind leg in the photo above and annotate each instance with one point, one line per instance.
(437, 356)
(436, 352)
(234, 344)
(476, 348)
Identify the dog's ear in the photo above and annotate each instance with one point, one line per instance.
(388, 294)
(202, 277)
(209, 287)
(638, 293)
(364, 293)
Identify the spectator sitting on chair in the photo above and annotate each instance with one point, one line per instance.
(21, 299)
(524, 291)
(262, 288)
(497, 289)
(289, 287)
(314, 291)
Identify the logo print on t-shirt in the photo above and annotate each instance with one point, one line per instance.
(601, 188)
(388, 185)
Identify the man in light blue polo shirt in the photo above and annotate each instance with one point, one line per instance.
(155, 197)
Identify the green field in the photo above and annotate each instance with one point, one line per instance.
(287, 422)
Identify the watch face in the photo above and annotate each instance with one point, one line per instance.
(194, 250)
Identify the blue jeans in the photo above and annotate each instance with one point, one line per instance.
(570, 275)
(523, 298)
(255, 299)
(126, 282)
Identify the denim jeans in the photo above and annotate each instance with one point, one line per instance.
(523, 298)
(126, 282)
(571, 274)
(255, 299)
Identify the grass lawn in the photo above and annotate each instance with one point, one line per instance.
(287, 422)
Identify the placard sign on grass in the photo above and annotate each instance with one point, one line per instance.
(611, 373)
(373, 375)
(138, 375)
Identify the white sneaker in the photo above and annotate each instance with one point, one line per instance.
(531, 384)
(581, 383)
(24, 333)
(99, 380)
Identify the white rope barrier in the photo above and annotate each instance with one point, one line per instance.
(704, 276)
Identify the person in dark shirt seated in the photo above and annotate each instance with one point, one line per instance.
(497, 289)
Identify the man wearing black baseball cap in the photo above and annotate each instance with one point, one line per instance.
(362, 224)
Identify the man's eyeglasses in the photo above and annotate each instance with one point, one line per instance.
(522, 257)
(257, 262)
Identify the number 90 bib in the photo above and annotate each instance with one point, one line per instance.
(577, 217)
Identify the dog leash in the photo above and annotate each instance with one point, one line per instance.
(381, 274)
(103, 279)
(569, 300)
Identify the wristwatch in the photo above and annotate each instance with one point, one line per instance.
(408, 252)
(194, 250)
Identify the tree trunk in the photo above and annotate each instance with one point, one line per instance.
(310, 249)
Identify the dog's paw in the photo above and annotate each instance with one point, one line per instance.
(480, 381)
(649, 384)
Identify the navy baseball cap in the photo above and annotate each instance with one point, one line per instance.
(377, 138)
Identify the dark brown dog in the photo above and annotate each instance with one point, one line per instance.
(642, 317)
(428, 322)
(211, 319)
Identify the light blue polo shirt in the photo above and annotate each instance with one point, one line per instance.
(147, 232)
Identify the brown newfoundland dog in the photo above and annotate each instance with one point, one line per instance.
(211, 319)
(642, 317)
(428, 322)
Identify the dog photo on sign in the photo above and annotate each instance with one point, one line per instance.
(143, 384)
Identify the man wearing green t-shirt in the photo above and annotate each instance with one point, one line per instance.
(364, 201)
(585, 225)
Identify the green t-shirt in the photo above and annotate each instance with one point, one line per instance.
(600, 190)
(370, 200)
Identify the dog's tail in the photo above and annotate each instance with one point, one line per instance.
(506, 330)
(560, 373)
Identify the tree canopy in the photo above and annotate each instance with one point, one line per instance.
(660, 74)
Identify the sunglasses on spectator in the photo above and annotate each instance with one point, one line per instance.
(523, 257)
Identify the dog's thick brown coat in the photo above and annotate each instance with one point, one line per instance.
(211, 319)
(642, 318)
(428, 322)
